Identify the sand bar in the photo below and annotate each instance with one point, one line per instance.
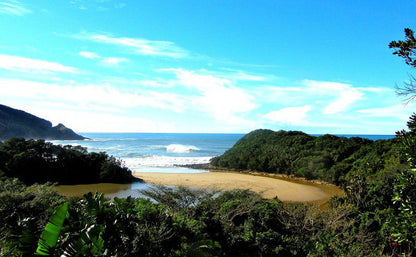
(266, 186)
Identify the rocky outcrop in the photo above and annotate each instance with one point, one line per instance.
(17, 123)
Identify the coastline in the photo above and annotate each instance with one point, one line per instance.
(267, 186)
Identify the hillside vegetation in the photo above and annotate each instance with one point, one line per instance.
(17, 123)
(329, 158)
(376, 217)
(37, 161)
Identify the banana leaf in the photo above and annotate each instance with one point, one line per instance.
(49, 237)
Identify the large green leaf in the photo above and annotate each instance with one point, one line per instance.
(50, 234)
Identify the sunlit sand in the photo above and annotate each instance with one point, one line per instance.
(266, 186)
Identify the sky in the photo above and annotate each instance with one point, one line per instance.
(207, 66)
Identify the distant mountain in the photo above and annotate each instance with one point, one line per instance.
(17, 123)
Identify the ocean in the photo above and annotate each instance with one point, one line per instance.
(158, 152)
(161, 152)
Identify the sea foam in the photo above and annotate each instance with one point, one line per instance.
(177, 148)
(163, 161)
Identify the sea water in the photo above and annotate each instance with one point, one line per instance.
(165, 152)
(155, 152)
(158, 152)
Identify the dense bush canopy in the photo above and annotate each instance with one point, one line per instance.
(330, 158)
(234, 223)
(37, 161)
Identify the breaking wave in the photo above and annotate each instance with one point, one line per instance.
(163, 161)
(177, 148)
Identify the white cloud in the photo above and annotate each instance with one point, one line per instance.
(283, 95)
(13, 7)
(157, 83)
(216, 96)
(17, 63)
(237, 75)
(142, 46)
(291, 115)
(376, 90)
(97, 5)
(88, 121)
(90, 95)
(347, 98)
(398, 111)
(346, 94)
(113, 61)
(107, 61)
(89, 55)
(327, 87)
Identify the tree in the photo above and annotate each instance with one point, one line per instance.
(403, 222)
(407, 50)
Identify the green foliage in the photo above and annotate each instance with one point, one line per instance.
(37, 161)
(406, 49)
(402, 222)
(24, 211)
(184, 222)
(16, 123)
(330, 158)
(49, 237)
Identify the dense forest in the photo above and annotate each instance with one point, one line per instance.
(329, 158)
(375, 217)
(37, 161)
(372, 219)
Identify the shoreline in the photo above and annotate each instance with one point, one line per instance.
(267, 186)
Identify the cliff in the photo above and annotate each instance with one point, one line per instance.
(17, 123)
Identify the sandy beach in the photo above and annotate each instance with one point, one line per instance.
(266, 186)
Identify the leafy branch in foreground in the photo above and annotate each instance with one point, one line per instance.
(407, 50)
(49, 237)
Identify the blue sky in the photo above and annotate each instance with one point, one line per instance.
(206, 66)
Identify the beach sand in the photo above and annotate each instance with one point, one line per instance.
(266, 186)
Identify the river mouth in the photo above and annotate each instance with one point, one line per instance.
(286, 189)
(109, 189)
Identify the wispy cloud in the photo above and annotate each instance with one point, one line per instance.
(90, 96)
(107, 61)
(89, 55)
(345, 94)
(17, 63)
(237, 75)
(290, 115)
(399, 111)
(216, 96)
(13, 7)
(141, 46)
(111, 61)
(92, 120)
(97, 5)
(345, 100)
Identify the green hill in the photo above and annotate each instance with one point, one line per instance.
(17, 123)
(36, 161)
(330, 158)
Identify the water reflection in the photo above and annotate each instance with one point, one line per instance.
(110, 190)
